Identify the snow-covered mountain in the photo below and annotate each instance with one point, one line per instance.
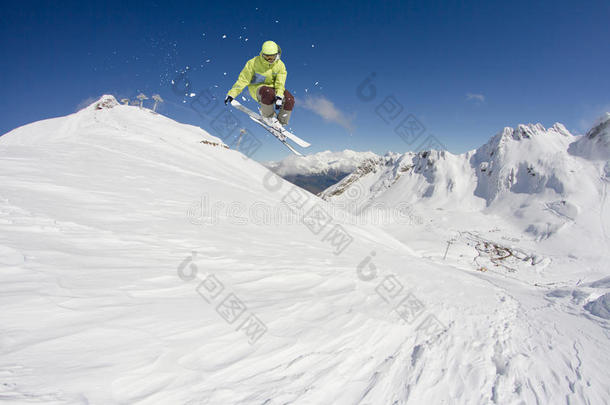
(540, 178)
(141, 261)
(318, 171)
(595, 144)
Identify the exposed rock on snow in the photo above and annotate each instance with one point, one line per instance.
(596, 143)
(600, 307)
(106, 101)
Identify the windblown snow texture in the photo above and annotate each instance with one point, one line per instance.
(139, 256)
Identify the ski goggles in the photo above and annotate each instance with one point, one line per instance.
(270, 58)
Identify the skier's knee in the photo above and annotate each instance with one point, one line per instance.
(267, 95)
(288, 101)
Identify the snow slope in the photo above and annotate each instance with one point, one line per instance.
(124, 239)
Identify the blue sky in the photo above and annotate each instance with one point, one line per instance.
(464, 69)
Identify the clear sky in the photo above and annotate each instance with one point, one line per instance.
(464, 69)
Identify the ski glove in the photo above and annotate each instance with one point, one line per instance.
(228, 100)
(278, 102)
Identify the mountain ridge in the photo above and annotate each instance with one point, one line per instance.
(521, 169)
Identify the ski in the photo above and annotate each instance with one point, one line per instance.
(280, 137)
(274, 130)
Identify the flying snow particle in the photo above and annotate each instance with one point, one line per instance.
(276, 21)
(192, 95)
(224, 36)
(313, 46)
(316, 83)
(246, 39)
(225, 73)
(207, 61)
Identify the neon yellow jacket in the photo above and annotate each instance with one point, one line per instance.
(258, 72)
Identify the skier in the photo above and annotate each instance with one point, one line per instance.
(265, 76)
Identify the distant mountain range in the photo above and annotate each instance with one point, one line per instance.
(319, 171)
(545, 178)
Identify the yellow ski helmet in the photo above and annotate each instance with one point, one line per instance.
(270, 48)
